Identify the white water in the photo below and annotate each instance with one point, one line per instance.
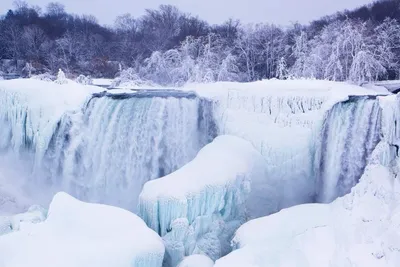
(107, 152)
(350, 133)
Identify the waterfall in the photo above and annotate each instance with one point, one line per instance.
(120, 141)
(108, 148)
(350, 132)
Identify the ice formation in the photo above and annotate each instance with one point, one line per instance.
(359, 229)
(284, 120)
(103, 146)
(81, 234)
(198, 207)
(30, 110)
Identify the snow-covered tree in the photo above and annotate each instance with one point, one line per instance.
(282, 71)
(301, 54)
(61, 78)
(387, 44)
(365, 68)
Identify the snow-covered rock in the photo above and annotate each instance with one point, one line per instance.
(198, 207)
(196, 260)
(360, 229)
(81, 234)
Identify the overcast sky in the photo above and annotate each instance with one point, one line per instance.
(214, 11)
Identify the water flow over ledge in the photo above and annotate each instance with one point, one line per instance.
(120, 141)
(350, 133)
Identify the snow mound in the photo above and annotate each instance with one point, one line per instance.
(196, 261)
(81, 234)
(198, 207)
(360, 229)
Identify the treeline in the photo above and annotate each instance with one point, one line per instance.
(169, 47)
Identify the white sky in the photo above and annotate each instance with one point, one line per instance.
(214, 11)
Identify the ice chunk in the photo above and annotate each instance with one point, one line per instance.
(197, 208)
(81, 234)
(197, 260)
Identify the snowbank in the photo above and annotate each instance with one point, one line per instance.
(197, 208)
(81, 234)
(360, 229)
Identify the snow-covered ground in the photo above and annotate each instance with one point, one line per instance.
(78, 234)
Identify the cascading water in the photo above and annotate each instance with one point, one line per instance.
(120, 141)
(350, 132)
(107, 150)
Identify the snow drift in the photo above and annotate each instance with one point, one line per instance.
(198, 207)
(81, 234)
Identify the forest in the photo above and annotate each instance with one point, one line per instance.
(166, 46)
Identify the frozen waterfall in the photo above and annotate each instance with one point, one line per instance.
(350, 133)
(119, 141)
(109, 144)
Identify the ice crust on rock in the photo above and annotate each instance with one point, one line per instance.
(82, 234)
(198, 207)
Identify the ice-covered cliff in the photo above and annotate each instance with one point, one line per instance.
(197, 208)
